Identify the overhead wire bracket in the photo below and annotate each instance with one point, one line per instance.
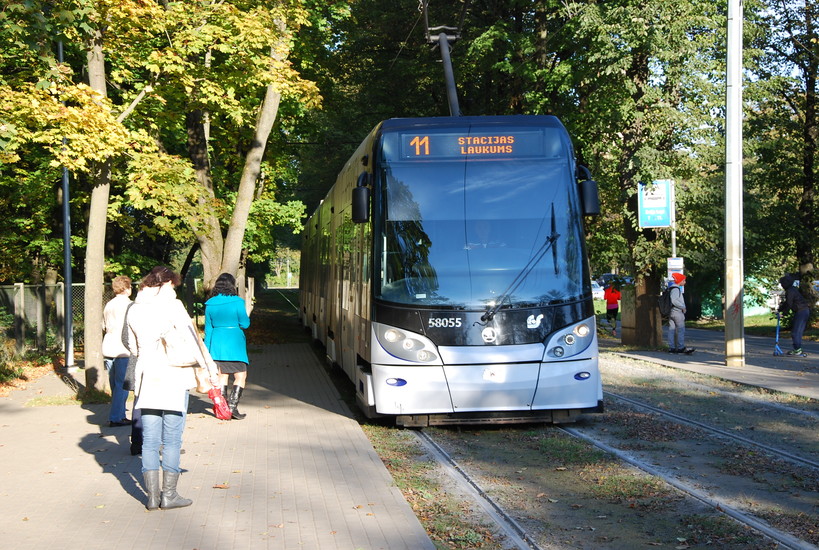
(443, 37)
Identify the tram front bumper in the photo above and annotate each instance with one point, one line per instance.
(403, 390)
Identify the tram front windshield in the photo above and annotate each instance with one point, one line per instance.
(477, 231)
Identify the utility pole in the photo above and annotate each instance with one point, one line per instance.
(734, 270)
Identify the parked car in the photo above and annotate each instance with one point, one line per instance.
(597, 290)
(606, 278)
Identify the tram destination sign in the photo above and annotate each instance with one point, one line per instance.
(503, 144)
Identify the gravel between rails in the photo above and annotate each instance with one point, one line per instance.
(566, 497)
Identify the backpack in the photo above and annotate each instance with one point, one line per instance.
(665, 302)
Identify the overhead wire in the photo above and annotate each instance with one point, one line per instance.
(401, 49)
(422, 12)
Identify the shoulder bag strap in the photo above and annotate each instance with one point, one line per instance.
(125, 336)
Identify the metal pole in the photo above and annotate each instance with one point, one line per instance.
(673, 202)
(68, 294)
(734, 316)
(449, 75)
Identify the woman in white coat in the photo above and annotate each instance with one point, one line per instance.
(161, 388)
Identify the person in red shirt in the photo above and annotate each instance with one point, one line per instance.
(612, 296)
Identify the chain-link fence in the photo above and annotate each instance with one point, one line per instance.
(33, 316)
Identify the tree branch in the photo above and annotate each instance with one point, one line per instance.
(135, 102)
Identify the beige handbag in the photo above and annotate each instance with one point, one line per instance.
(179, 343)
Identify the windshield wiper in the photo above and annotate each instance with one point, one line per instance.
(533, 261)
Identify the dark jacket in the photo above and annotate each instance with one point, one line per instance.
(793, 298)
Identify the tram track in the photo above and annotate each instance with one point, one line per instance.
(776, 535)
(523, 540)
(727, 473)
(685, 482)
(780, 453)
(505, 522)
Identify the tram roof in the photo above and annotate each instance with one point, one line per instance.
(461, 121)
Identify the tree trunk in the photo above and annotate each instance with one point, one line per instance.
(641, 322)
(95, 250)
(209, 236)
(247, 185)
(647, 322)
(810, 136)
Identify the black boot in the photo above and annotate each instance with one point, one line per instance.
(233, 403)
(170, 498)
(151, 480)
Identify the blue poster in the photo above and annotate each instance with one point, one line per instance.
(655, 203)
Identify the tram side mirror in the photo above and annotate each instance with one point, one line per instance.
(589, 193)
(591, 198)
(361, 199)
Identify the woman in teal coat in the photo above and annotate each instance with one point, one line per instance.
(225, 321)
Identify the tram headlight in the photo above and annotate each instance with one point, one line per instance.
(404, 345)
(392, 335)
(426, 356)
(570, 341)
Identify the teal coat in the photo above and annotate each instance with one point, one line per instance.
(225, 321)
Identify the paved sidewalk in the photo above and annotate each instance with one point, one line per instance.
(297, 473)
(796, 375)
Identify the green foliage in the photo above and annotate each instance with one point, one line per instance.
(163, 61)
(266, 216)
(639, 85)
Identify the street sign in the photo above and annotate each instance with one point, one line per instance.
(655, 204)
(675, 265)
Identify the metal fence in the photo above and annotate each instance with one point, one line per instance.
(33, 316)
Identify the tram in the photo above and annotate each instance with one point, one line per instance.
(446, 273)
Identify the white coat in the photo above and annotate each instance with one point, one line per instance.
(113, 316)
(159, 385)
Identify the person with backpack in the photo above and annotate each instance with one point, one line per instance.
(676, 317)
(801, 312)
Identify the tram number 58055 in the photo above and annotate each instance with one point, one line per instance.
(444, 322)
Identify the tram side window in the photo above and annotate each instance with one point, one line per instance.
(407, 274)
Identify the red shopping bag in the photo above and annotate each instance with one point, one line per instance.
(220, 406)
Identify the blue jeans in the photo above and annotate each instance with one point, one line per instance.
(116, 376)
(800, 321)
(162, 428)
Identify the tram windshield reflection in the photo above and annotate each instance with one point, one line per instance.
(457, 232)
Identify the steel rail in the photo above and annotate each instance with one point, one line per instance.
(505, 522)
(785, 539)
(683, 420)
